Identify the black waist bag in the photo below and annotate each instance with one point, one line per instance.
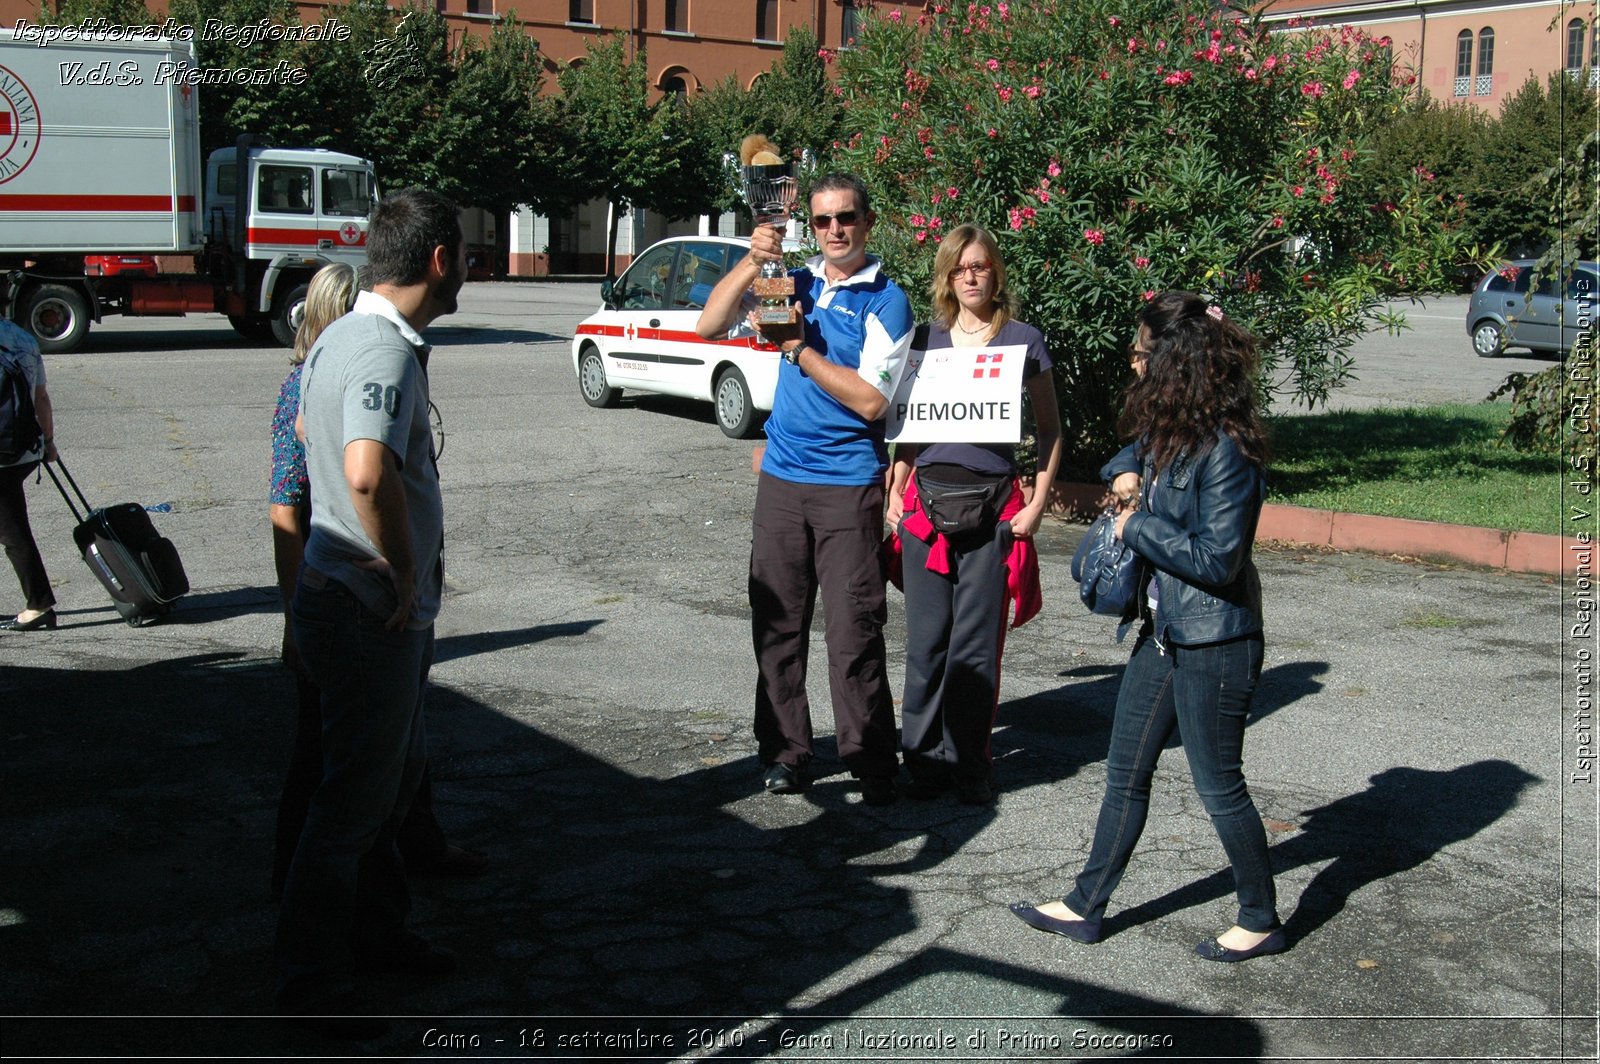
(958, 509)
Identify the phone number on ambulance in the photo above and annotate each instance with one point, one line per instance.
(166, 73)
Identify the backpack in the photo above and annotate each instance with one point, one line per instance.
(19, 422)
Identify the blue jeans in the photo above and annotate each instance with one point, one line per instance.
(346, 886)
(1204, 692)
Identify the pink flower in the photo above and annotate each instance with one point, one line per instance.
(1054, 169)
(1271, 62)
(1423, 172)
(952, 192)
(894, 16)
(1044, 197)
(1133, 45)
(1095, 236)
(993, 132)
(1032, 92)
(1149, 294)
(927, 153)
(1016, 218)
(1312, 89)
(993, 65)
(1005, 11)
(1250, 74)
(935, 222)
(1178, 77)
(824, 55)
(1351, 78)
(1141, 262)
(1114, 21)
(1005, 95)
(921, 235)
(918, 220)
(1299, 190)
(1029, 213)
(1277, 221)
(935, 198)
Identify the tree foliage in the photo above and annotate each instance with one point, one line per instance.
(1141, 145)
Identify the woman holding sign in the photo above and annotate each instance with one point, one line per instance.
(965, 531)
(1192, 484)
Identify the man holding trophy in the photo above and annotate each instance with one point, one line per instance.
(819, 506)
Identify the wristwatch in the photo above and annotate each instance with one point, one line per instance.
(791, 355)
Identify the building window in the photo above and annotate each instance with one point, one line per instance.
(1464, 63)
(580, 11)
(1485, 84)
(766, 20)
(848, 23)
(1575, 30)
(675, 15)
(675, 89)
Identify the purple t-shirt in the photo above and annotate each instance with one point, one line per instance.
(998, 459)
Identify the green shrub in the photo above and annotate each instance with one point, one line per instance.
(1120, 148)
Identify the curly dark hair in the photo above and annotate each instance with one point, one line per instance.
(1201, 380)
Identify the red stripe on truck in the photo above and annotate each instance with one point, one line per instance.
(114, 204)
(307, 237)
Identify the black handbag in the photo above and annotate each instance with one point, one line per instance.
(1106, 568)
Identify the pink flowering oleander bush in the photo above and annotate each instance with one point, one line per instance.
(1121, 148)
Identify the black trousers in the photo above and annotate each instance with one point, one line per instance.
(16, 535)
(955, 631)
(809, 538)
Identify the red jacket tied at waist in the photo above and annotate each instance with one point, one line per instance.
(1022, 564)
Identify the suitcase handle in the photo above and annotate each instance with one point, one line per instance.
(80, 518)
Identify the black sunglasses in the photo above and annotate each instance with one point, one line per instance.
(825, 221)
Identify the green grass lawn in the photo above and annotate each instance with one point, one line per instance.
(1437, 463)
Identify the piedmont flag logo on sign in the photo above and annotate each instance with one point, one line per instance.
(959, 395)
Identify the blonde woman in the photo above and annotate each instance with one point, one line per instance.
(331, 295)
(959, 584)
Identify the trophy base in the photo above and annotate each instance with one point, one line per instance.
(768, 288)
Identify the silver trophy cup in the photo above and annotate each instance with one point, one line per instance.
(770, 193)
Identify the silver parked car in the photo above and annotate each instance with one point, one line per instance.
(1543, 310)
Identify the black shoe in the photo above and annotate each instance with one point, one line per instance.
(339, 1018)
(1078, 930)
(927, 788)
(409, 954)
(1212, 950)
(878, 790)
(783, 779)
(47, 619)
(974, 792)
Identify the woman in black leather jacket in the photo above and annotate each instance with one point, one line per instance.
(1191, 487)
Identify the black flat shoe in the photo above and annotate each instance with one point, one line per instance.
(878, 790)
(1212, 950)
(47, 619)
(1087, 931)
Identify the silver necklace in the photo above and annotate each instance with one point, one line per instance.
(982, 328)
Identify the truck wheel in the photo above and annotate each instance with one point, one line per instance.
(58, 316)
(288, 314)
(256, 328)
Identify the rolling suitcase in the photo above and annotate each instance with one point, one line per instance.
(138, 566)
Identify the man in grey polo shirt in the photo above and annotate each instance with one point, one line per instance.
(363, 614)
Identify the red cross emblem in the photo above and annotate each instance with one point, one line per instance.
(630, 332)
(350, 232)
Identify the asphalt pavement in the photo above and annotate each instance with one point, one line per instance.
(1417, 750)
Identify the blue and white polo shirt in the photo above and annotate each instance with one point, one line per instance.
(864, 323)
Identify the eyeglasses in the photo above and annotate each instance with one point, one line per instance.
(976, 269)
(845, 219)
(1137, 356)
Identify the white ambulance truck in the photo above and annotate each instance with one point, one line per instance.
(100, 155)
